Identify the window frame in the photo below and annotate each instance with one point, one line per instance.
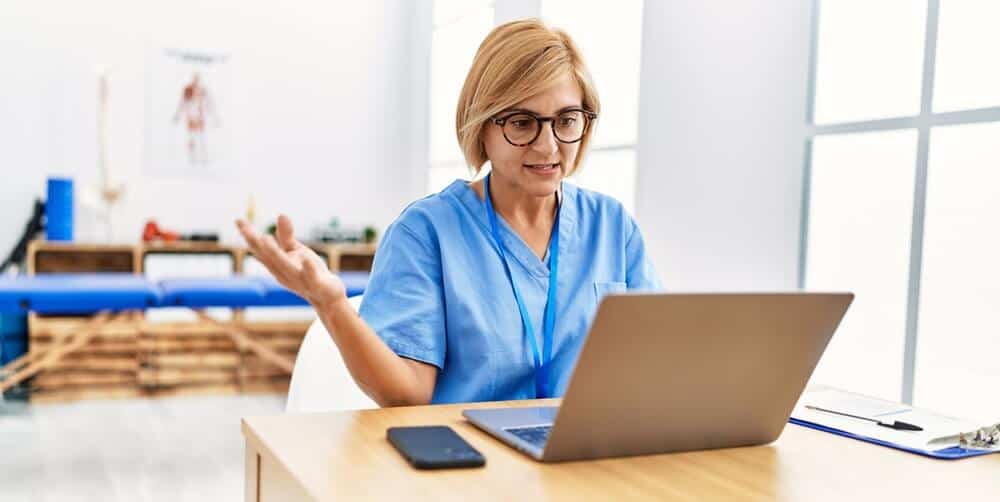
(923, 123)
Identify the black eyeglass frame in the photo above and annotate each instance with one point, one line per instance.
(588, 116)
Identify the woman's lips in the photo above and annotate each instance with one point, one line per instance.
(543, 167)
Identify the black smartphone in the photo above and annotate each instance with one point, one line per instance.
(434, 447)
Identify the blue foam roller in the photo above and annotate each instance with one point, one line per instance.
(59, 210)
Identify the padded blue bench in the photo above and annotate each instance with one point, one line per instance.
(277, 295)
(215, 292)
(77, 293)
(88, 293)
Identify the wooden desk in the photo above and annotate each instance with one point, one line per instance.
(345, 456)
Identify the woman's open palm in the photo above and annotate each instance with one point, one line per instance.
(293, 264)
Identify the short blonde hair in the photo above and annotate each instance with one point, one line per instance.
(516, 61)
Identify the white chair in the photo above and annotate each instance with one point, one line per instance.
(320, 380)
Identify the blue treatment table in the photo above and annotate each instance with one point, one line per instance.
(201, 293)
(276, 294)
(102, 294)
(89, 293)
(77, 293)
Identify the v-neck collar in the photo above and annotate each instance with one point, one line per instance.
(513, 242)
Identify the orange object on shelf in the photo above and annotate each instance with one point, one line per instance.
(152, 232)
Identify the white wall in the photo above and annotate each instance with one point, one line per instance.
(315, 83)
(723, 107)
(327, 122)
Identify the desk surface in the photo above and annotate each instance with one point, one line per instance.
(345, 456)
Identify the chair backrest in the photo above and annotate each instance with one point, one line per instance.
(320, 380)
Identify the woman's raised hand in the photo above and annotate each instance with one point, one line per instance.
(295, 266)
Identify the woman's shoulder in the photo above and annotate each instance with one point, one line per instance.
(428, 216)
(434, 206)
(595, 204)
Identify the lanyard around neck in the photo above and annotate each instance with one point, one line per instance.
(549, 318)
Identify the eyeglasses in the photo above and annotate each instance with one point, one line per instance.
(523, 128)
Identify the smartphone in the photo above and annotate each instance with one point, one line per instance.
(434, 447)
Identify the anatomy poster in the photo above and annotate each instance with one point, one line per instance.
(189, 126)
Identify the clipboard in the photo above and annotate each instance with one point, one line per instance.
(874, 434)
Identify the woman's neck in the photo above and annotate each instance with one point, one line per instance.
(520, 209)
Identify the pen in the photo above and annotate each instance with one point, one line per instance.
(899, 426)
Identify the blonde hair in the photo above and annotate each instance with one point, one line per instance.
(516, 61)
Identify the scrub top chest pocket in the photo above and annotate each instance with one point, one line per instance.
(604, 288)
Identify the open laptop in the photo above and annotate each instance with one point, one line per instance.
(676, 372)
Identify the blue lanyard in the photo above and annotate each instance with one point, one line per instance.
(549, 319)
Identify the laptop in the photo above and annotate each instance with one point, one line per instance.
(671, 372)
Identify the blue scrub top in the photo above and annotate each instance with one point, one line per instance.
(439, 294)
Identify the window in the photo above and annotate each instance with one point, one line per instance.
(960, 281)
(903, 198)
(870, 56)
(967, 74)
(614, 63)
(459, 28)
(859, 241)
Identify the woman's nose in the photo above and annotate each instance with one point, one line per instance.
(546, 142)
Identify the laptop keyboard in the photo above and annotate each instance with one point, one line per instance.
(536, 435)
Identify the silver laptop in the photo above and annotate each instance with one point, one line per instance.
(676, 372)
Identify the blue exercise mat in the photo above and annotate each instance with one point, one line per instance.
(77, 293)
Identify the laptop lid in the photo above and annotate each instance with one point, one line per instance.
(674, 372)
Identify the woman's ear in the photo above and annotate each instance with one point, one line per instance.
(482, 143)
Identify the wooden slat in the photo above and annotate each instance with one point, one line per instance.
(168, 345)
(288, 344)
(194, 360)
(88, 362)
(251, 361)
(82, 260)
(290, 328)
(91, 392)
(58, 380)
(47, 327)
(286, 352)
(265, 387)
(94, 347)
(57, 352)
(20, 362)
(163, 376)
(219, 389)
(183, 330)
(245, 342)
(261, 372)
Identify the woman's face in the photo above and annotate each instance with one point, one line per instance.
(539, 167)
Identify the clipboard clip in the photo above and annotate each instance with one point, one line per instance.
(986, 438)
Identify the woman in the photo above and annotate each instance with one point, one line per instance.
(463, 302)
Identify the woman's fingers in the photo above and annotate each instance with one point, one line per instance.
(275, 258)
(309, 269)
(264, 248)
(286, 233)
(252, 238)
(291, 263)
(249, 234)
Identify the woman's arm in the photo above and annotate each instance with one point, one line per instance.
(387, 378)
